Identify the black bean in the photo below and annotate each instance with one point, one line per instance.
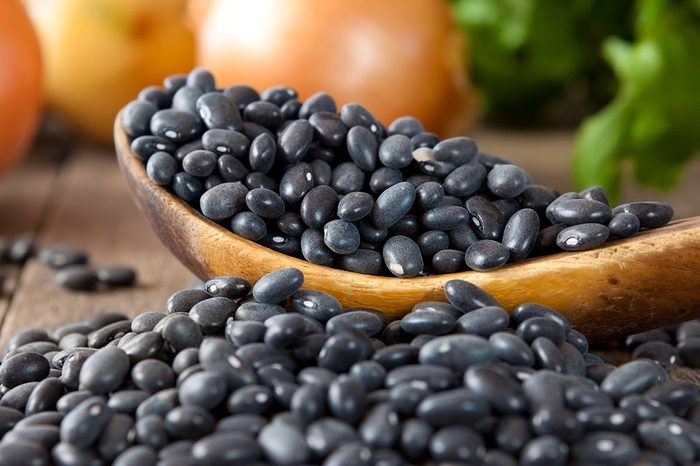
(459, 444)
(624, 224)
(544, 450)
(408, 225)
(83, 425)
(219, 112)
(402, 256)
(445, 218)
(537, 197)
(448, 261)
(231, 169)
(176, 125)
(136, 117)
(354, 206)
(22, 368)
(467, 297)
(294, 140)
(689, 351)
(183, 300)
(144, 147)
(659, 351)
(632, 377)
(486, 218)
(651, 214)
(225, 448)
(278, 285)
(406, 125)
(140, 455)
(263, 113)
(393, 204)
(583, 236)
(116, 437)
(211, 314)
(187, 187)
(341, 351)
(61, 256)
(295, 183)
(127, 401)
(507, 181)
(205, 389)
(104, 371)
(44, 396)
(370, 322)
(486, 254)
(341, 237)
(201, 79)
(353, 114)
(152, 375)
(319, 206)
(179, 332)
(535, 327)
(520, 233)
(362, 261)
(77, 278)
(679, 395)
(249, 225)
(668, 438)
(347, 177)
(241, 95)
(142, 346)
(578, 211)
(457, 150)
(362, 147)
(189, 422)
(347, 399)
(290, 109)
(465, 180)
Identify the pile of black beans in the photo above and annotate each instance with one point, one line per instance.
(277, 374)
(340, 189)
(674, 346)
(73, 270)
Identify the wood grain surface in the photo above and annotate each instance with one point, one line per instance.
(647, 281)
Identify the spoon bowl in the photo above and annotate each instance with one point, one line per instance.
(647, 281)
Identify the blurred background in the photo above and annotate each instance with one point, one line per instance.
(577, 92)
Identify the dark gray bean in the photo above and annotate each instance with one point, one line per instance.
(486, 254)
(116, 437)
(18, 396)
(315, 305)
(341, 237)
(347, 177)
(138, 455)
(285, 330)
(362, 147)
(159, 403)
(429, 195)
(225, 448)
(408, 225)
(257, 355)
(402, 256)
(456, 150)
(278, 285)
(483, 322)
(520, 233)
(205, 389)
(535, 327)
(486, 218)
(319, 102)
(241, 332)
(199, 163)
(295, 183)
(347, 399)
(689, 351)
(370, 322)
(327, 434)
(127, 401)
(644, 408)
(314, 249)
(183, 300)
(318, 206)
(116, 275)
(328, 128)
(624, 224)
(668, 438)
(70, 400)
(465, 180)
(456, 352)
(44, 396)
(467, 297)
(145, 146)
(294, 140)
(341, 351)
(434, 376)
(84, 424)
(381, 427)
(432, 242)
(651, 214)
(537, 197)
(77, 278)
(152, 375)
(241, 95)
(104, 371)
(659, 351)
(263, 113)
(547, 355)
(58, 257)
(290, 109)
(187, 187)
(511, 349)
(406, 125)
(179, 332)
(396, 355)
(679, 395)
(249, 225)
(578, 211)
(448, 261)
(217, 111)
(396, 151)
(259, 312)
(176, 125)
(415, 437)
(309, 402)
(136, 117)
(583, 236)
(606, 448)
(392, 204)
(284, 444)
(201, 79)
(362, 261)
(435, 168)
(507, 181)
(353, 114)
(632, 377)
(354, 206)
(211, 314)
(428, 321)
(22, 368)
(261, 155)
(290, 223)
(457, 443)
(228, 287)
(445, 218)
(189, 423)
(544, 450)
(526, 311)
(579, 397)
(384, 178)
(278, 95)
(231, 169)
(322, 172)
(143, 346)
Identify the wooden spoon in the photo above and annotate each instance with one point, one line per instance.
(647, 281)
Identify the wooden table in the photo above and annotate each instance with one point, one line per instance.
(77, 196)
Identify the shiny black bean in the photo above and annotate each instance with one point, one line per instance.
(328, 434)
(486, 254)
(249, 225)
(242, 332)
(651, 214)
(347, 177)
(187, 187)
(77, 278)
(231, 169)
(467, 297)
(535, 327)
(347, 399)
(127, 401)
(217, 111)
(507, 181)
(138, 455)
(294, 140)
(278, 285)
(459, 444)
(328, 128)
(354, 206)
(309, 402)
(668, 438)
(341, 351)
(428, 321)
(176, 125)
(189, 423)
(314, 249)
(22, 368)
(632, 377)
(448, 261)
(408, 225)
(369, 322)
(201, 79)
(392, 204)
(183, 300)
(402, 256)
(318, 206)
(142, 346)
(520, 233)
(545, 450)
(143, 147)
(251, 399)
(606, 418)
(483, 322)
(179, 332)
(606, 448)
(624, 224)
(659, 351)
(83, 425)
(362, 261)
(136, 117)
(116, 438)
(263, 113)
(295, 183)
(445, 218)
(227, 287)
(679, 395)
(258, 312)
(486, 218)
(456, 150)
(689, 351)
(225, 448)
(152, 375)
